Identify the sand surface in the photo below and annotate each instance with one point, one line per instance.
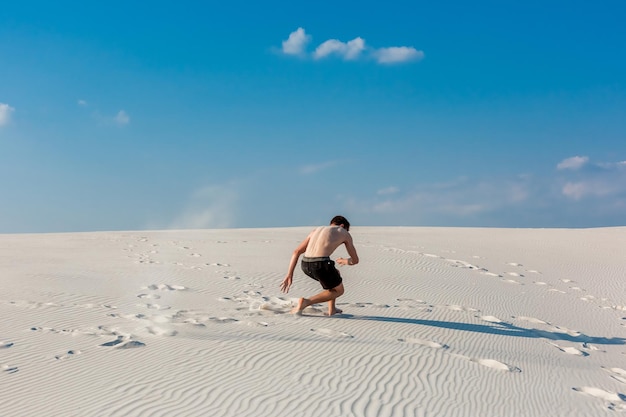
(437, 322)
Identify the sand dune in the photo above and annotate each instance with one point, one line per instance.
(437, 322)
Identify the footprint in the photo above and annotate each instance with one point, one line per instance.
(490, 363)
(421, 342)
(616, 399)
(150, 296)
(561, 329)
(9, 369)
(331, 333)
(131, 344)
(165, 287)
(460, 308)
(514, 264)
(123, 343)
(159, 331)
(462, 264)
(115, 342)
(591, 347)
(569, 350)
(251, 323)
(4, 345)
(531, 320)
(232, 278)
(411, 300)
(156, 307)
(491, 319)
(68, 354)
(359, 305)
(194, 322)
(273, 307)
(497, 365)
(617, 373)
(223, 320)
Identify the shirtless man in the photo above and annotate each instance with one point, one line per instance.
(317, 248)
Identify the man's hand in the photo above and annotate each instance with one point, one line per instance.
(284, 287)
(343, 261)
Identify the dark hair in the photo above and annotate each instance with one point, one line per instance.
(339, 220)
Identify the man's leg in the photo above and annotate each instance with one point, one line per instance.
(326, 295)
(332, 309)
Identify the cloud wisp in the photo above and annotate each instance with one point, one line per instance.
(583, 179)
(348, 51)
(396, 54)
(296, 43)
(575, 162)
(122, 118)
(315, 168)
(210, 207)
(579, 192)
(352, 50)
(5, 114)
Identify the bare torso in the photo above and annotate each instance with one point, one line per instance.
(324, 240)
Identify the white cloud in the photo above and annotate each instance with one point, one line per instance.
(296, 43)
(605, 180)
(575, 190)
(388, 191)
(613, 165)
(596, 188)
(584, 193)
(122, 118)
(5, 113)
(315, 168)
(82, 103)
(212, 206)
(397, 54)
(350, 50)
(458, 201)
(575, 162)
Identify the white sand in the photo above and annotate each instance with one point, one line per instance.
(438, 322)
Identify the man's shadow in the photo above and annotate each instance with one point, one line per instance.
(502, 329)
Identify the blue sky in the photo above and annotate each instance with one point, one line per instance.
(129, 115)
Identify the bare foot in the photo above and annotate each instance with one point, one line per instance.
(302, 304)
(336, 311)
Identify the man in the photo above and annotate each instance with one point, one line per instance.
(317, 248)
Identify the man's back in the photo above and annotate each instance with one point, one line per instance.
(324, 240)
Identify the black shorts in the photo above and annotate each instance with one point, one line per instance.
(322, 270)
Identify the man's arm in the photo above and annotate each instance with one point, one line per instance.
(286, 284)
(354, 258)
